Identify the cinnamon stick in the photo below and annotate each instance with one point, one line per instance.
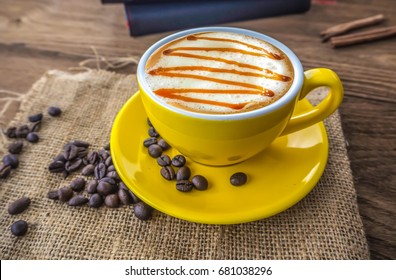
(345, 27)
(362, 37)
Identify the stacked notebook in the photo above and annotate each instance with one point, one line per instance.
(153, 16)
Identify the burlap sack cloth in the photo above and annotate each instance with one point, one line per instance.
(324, 225)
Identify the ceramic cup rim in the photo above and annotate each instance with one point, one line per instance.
(288, 97)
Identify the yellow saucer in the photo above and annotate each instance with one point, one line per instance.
(278, 178)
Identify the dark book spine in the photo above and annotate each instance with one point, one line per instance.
(161, 17)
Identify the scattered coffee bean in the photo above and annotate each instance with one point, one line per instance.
(107, 147)
(65, 193)
(11, 132)
(79, 143)
(92, 186)
(54, 111)
(93, 157)
(149, 141)
(73, 165)
(163, 144)
(114, 175)
(35, 127)
(149, 122)
(142, 211)
(56, 167)
(184, 185)
(60, 157)
(168, 173)
(16, 147)
(238, 179)
(82, 152)
(104, 154)
(78, 184)
(200, 182)
(19, 205)
(5, 171)
(78, 200)
(105, 188)
(152, 132)
(112, 201)
(11, 160)
(22, 131)
(96, 200)
(125, 197)
(108, 161)
(109, 180)
(32, 137)
(100, 171)
(179, 161)
(88, 170)
(36, 118)
(54, 194)
(111, 168)
(154, 150)
(183, 173)
(19, 228)
(164, 160)
(70, 152)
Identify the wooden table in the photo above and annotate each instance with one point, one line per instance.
(36, 36)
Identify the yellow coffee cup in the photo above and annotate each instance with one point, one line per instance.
(225, 139)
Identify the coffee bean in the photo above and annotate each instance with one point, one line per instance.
(22, 131)
(19, 228)
(19, 205)
(92, 186)
(11, 160)
(154, 150)
(114, 175)
(73, 165)
(200, 182)
(82, 152)
(163, 144)
(54, 111)
(96, 200)
(149, 122)
(79, 143)
(125, 197)
(56, 167)
(111, 168)
(112, 201)
(168, 173)
(93, 157)
(184, 185)
(183, 173)
(109, 180)
(178, 161)
(149, 141)
(107, 147)
(163, 160)
(78, 200)
(65, 173)
(106, 188)
(11, 132)
(134, 197)
(60, 157)
(16, 147)
(78, 184)
(32, 137)
(70, 152)
(35, 127)
(88, 170)
(36, 117)
(123, 186)
(65, 193)
(100, 171)
(142, 211)
(104, 155)
(54, 194)
(238, 179)
(5, 171)
(108, 161)
(152, 132)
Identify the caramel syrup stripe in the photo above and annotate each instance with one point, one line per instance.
(174, 93)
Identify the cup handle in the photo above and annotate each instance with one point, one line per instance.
(314, 78)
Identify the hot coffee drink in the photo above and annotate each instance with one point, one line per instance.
(219, 73)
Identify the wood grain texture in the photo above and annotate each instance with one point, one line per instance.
(36, 36)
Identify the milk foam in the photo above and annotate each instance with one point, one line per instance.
(278, 87)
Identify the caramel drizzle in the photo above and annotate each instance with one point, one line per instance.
(269, 54)
(174, 93)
